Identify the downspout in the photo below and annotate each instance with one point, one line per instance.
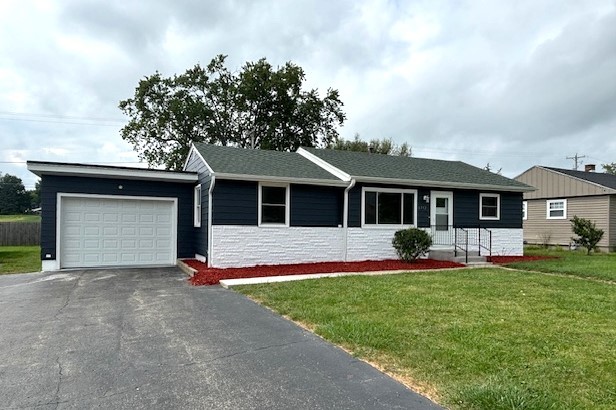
(345, 218)
(209, 221)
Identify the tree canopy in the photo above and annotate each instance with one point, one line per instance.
(258, 107)
(375, 145)
(13, 196)
(610, 168)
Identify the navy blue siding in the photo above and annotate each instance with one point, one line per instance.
(465, 204)
(316, 205)
(466, 210)
(196, 164)
(234, 202)
(51, 185)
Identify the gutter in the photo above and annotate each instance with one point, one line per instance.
(209, 221)
(345, 218)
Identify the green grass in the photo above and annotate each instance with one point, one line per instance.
(20, 218)
(472, 339)
(597, 265)
(20, 259)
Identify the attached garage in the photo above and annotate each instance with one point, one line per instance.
(114, 231)
(97, 216)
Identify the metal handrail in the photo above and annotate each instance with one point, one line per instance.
(481, 245)
(456, 246)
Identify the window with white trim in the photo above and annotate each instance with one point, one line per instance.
(524, 210)
(489, 207)
(197, 206)
(556, 209)
(274, 205)
(384, 206)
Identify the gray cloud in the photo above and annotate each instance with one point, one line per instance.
(510, 83)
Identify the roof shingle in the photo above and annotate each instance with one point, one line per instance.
(366, 165)
(257, 162)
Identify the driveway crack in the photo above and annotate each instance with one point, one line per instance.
(68, 298)
(258, 349)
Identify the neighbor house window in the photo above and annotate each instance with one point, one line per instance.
(389, 206)
(273, 205)
(489, 206)
(197, 207)
(556, 208)
(524, 210)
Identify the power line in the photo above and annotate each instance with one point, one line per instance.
(70, 117)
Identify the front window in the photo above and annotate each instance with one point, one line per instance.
(197, 206)
(489, 206)
(524, 210)
(389, 207)
(273, 205)
(556, 209)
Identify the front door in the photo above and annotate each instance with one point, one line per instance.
(441, 217)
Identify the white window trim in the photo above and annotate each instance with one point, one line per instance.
(524, 210)
(287, 214)
(498, 203)
(197, 206)
(552, 201)
(388, 190)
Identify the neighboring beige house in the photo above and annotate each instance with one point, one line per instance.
(560, 195)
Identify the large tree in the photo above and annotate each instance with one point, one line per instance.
(375, 145)
(13, 196)
(258, 107)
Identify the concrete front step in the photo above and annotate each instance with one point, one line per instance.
(471, 259)
(450, 255)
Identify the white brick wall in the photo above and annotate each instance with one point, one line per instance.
(507, 242)
(371, 244)
(239, 246)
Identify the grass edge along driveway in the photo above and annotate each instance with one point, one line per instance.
(472, 339)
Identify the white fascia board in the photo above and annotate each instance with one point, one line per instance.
(97, 171)
(441, 184)
(337, 172)
(195, 150)
(285, 180)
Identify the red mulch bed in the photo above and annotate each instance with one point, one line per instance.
(503, 260)
(211, 276)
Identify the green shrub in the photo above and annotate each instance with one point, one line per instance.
(411, 243)
(588, 233)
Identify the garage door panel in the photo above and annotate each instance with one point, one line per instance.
(112, 232)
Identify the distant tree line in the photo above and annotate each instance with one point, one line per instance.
(14, 198)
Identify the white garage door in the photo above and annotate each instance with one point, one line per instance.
(116, 232)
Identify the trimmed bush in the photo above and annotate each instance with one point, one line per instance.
(588, 233)
(411, 243)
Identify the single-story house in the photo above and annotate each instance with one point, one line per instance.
(233, 207)
(562, 194)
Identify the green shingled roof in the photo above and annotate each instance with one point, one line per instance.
(361, 165)
(257, 162)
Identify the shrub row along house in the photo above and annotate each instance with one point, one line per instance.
(236, 207)
(562, 194)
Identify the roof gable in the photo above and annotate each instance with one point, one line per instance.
(599, 178)
(262, 164)
(561, 183)
(419, 171)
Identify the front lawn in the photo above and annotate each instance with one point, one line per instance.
(597, 265)
(20, 259)
(20, 218)
(471, 339)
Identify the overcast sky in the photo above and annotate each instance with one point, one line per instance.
(512, 83)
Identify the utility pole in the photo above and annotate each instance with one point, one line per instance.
(576, 159)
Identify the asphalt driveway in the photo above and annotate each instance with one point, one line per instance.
(145, 338)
